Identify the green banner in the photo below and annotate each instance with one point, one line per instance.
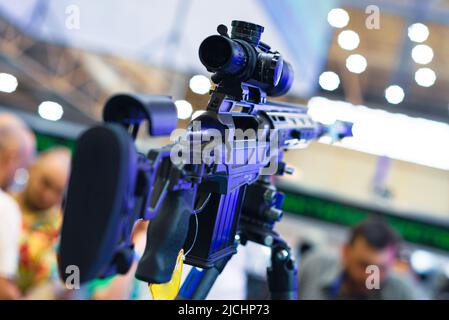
(45, 142)
(418, 231)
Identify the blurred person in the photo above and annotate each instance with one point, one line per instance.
(40, 206)
(17, 146)
(349, 275)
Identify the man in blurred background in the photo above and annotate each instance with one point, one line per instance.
(17, 145)
(40, 205)
(366, 259)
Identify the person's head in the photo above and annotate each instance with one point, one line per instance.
(17, 147)
(48, 176)
(372, 242)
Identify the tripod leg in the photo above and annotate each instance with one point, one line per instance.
(282, 274)
(199, 282)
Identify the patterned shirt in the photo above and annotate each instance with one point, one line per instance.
(37, 257)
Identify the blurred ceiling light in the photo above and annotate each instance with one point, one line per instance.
(184, 109)
(325, 139)
(425, 77)
(8, 83)
(197, 113)
(379, 132)
(338, 18)
(199, 84)
(422, 54)
(329, 81)
(422, 261)
(50, 110)
(356, 63)
(418, 32)
(394, 94)
(348, 40)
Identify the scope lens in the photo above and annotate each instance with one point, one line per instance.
(221, 54)
(215, 52)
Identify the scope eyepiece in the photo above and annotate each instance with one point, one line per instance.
(285, 81)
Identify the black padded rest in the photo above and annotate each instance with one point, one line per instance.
(101, 181)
